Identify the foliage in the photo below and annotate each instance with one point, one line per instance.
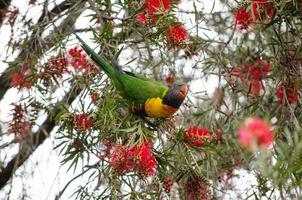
(251, 48)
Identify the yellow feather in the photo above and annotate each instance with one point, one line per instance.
(156, 109)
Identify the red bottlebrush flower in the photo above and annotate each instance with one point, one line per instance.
(140, 158)
(177, 34)
(144, 160)
(157, 6)
(121, 159)
(82, 121)
(243, 18)
(20, 80)
(258, 71)
(255, 132)
(17, 80)
(254, 72)
(153, 10)
(256, 87)
(57, 66)
(78, 59)
(252, 75)
(53, 70)
(263, 9)
(19, 125)
(196, 189)
(168, 183)
(289, 93)
(169, 79)
(280, 93)
(197, 136)
(94, 96)
(141, 17)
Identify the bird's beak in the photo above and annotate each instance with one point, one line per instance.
(183, 91)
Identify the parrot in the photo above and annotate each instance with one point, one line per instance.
(146, 97)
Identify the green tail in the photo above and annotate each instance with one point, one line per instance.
(101, 62)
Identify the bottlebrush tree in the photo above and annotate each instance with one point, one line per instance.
(241, 60)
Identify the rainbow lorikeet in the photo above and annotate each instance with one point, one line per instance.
(146, 97)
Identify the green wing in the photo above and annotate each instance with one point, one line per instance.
(138, 90)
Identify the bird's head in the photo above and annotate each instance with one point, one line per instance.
(176, 95)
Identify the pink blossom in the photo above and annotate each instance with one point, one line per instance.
(255, 132)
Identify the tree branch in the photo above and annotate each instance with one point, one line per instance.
(35, 43)
(4, 4)
(32, 143)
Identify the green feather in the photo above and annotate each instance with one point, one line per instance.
(135, 88)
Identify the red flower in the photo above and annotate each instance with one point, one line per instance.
(53, 70)
(196, 189)
(19, 125)
(255, 132)
(168, 183)
(17, 80)
(289, 93)
(261, 70)
(177, 34)
(252, 75)
(94, 96)
(20, 80)
(157, 6)
(197, 136)
(243, 18)
(169, 79)
(254, 72)
(255, 87)
(263, 9)
(57, 66)
(144, 161)
(78, 59)
(141, 17)
(121, 159)
(140, 158)
(154, 9)
(82, 121)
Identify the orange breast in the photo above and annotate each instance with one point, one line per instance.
(156, 109)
